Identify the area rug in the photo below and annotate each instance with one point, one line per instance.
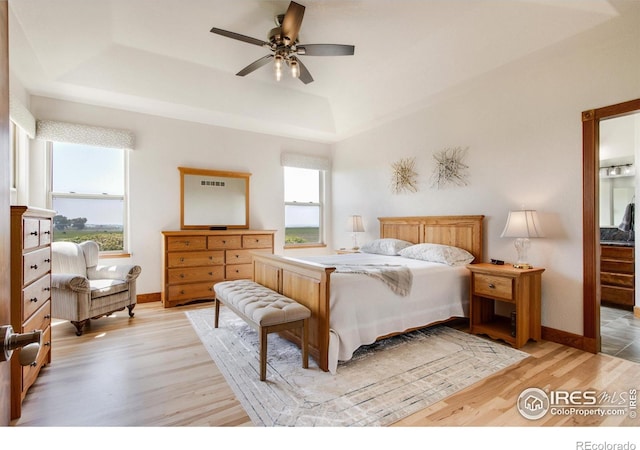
(383, 383)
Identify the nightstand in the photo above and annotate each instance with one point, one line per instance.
(505, 302)
(345, 251)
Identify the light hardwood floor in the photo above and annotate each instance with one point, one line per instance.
(153, 371)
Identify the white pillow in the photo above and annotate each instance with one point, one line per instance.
(438, 253)
(387, 246)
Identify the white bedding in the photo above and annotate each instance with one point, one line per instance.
(363, 308)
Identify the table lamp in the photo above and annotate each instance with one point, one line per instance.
(522, 225)
(354, 225)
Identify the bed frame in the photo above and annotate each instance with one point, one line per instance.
(310, 284)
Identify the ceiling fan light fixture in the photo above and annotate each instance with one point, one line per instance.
(277, 66)
(295, 68)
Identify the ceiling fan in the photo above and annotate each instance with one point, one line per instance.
(283, 43)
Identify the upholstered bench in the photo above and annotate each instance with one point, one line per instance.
(266, 311)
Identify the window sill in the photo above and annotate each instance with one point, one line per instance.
(295, 246)
(114, 255)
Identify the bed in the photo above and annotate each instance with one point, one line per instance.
(353, 309)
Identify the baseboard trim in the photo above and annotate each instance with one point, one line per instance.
(636, 311)
(570, 339)
(148, 298)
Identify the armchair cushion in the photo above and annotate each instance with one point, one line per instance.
(100, 288)
(126, 272)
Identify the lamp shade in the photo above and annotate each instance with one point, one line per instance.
(354, 224)
(522, 224)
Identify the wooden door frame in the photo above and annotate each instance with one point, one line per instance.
(591, 215)
(5, 231)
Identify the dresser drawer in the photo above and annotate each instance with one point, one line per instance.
(237, 256)
(45, 231)
(239, 272)
(607, 265)
(617, 295)
(36, 264)
(190, 291)
(40, 320)
(617, 279)
(194, 259)
(177, 243)
(30, 373)
(493, 286)
(31, 233)
(35, 295)
(617, 252)
(257, 241)
(192, 274)
(223, 242)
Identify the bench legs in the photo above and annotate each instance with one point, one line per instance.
(263, 332)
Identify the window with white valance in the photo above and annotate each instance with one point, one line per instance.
(72, 133)
(88, 185)
(304, 182)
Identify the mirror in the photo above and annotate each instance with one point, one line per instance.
(617, 167)
(213, 199)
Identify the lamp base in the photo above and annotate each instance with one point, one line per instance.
(523, 266)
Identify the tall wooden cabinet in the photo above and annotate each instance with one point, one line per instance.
(194, 260)
(31, 234)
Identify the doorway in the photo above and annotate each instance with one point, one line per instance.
(591, 214)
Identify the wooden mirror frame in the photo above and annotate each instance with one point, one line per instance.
(212, 173)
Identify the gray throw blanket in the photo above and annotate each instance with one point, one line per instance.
(398, 278)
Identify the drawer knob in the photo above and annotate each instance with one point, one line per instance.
(34, 299)
(181, 275)
(47, 232)
(181, 259)
(34, 266)
(46, 289)
(224, 242)
(34, 233)
(47, 344)
(211, 273)
(492, 286)
(47, 260)
(33, 364)
(182, 292)
(47, 316)
(186, 243)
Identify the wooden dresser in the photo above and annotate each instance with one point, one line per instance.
(617, 276)
(31, 233)
(195, 260)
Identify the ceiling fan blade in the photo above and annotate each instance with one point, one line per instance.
(292, 22)
(326, 50)
(304, 76)
(240, 37)
(255, 65)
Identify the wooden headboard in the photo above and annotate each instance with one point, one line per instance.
(459, 231)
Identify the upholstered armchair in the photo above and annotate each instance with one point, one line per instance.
(82, 290)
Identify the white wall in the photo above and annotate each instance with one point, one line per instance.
(522, 125)
(163, 145)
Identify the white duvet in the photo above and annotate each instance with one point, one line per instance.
(364, 308)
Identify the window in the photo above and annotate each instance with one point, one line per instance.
(303, 204)
(88, 192)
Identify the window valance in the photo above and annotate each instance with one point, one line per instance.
(22, 117)
(302, 161)
(51, 130)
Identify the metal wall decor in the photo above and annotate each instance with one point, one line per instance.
(404, 176)
(449, 168)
